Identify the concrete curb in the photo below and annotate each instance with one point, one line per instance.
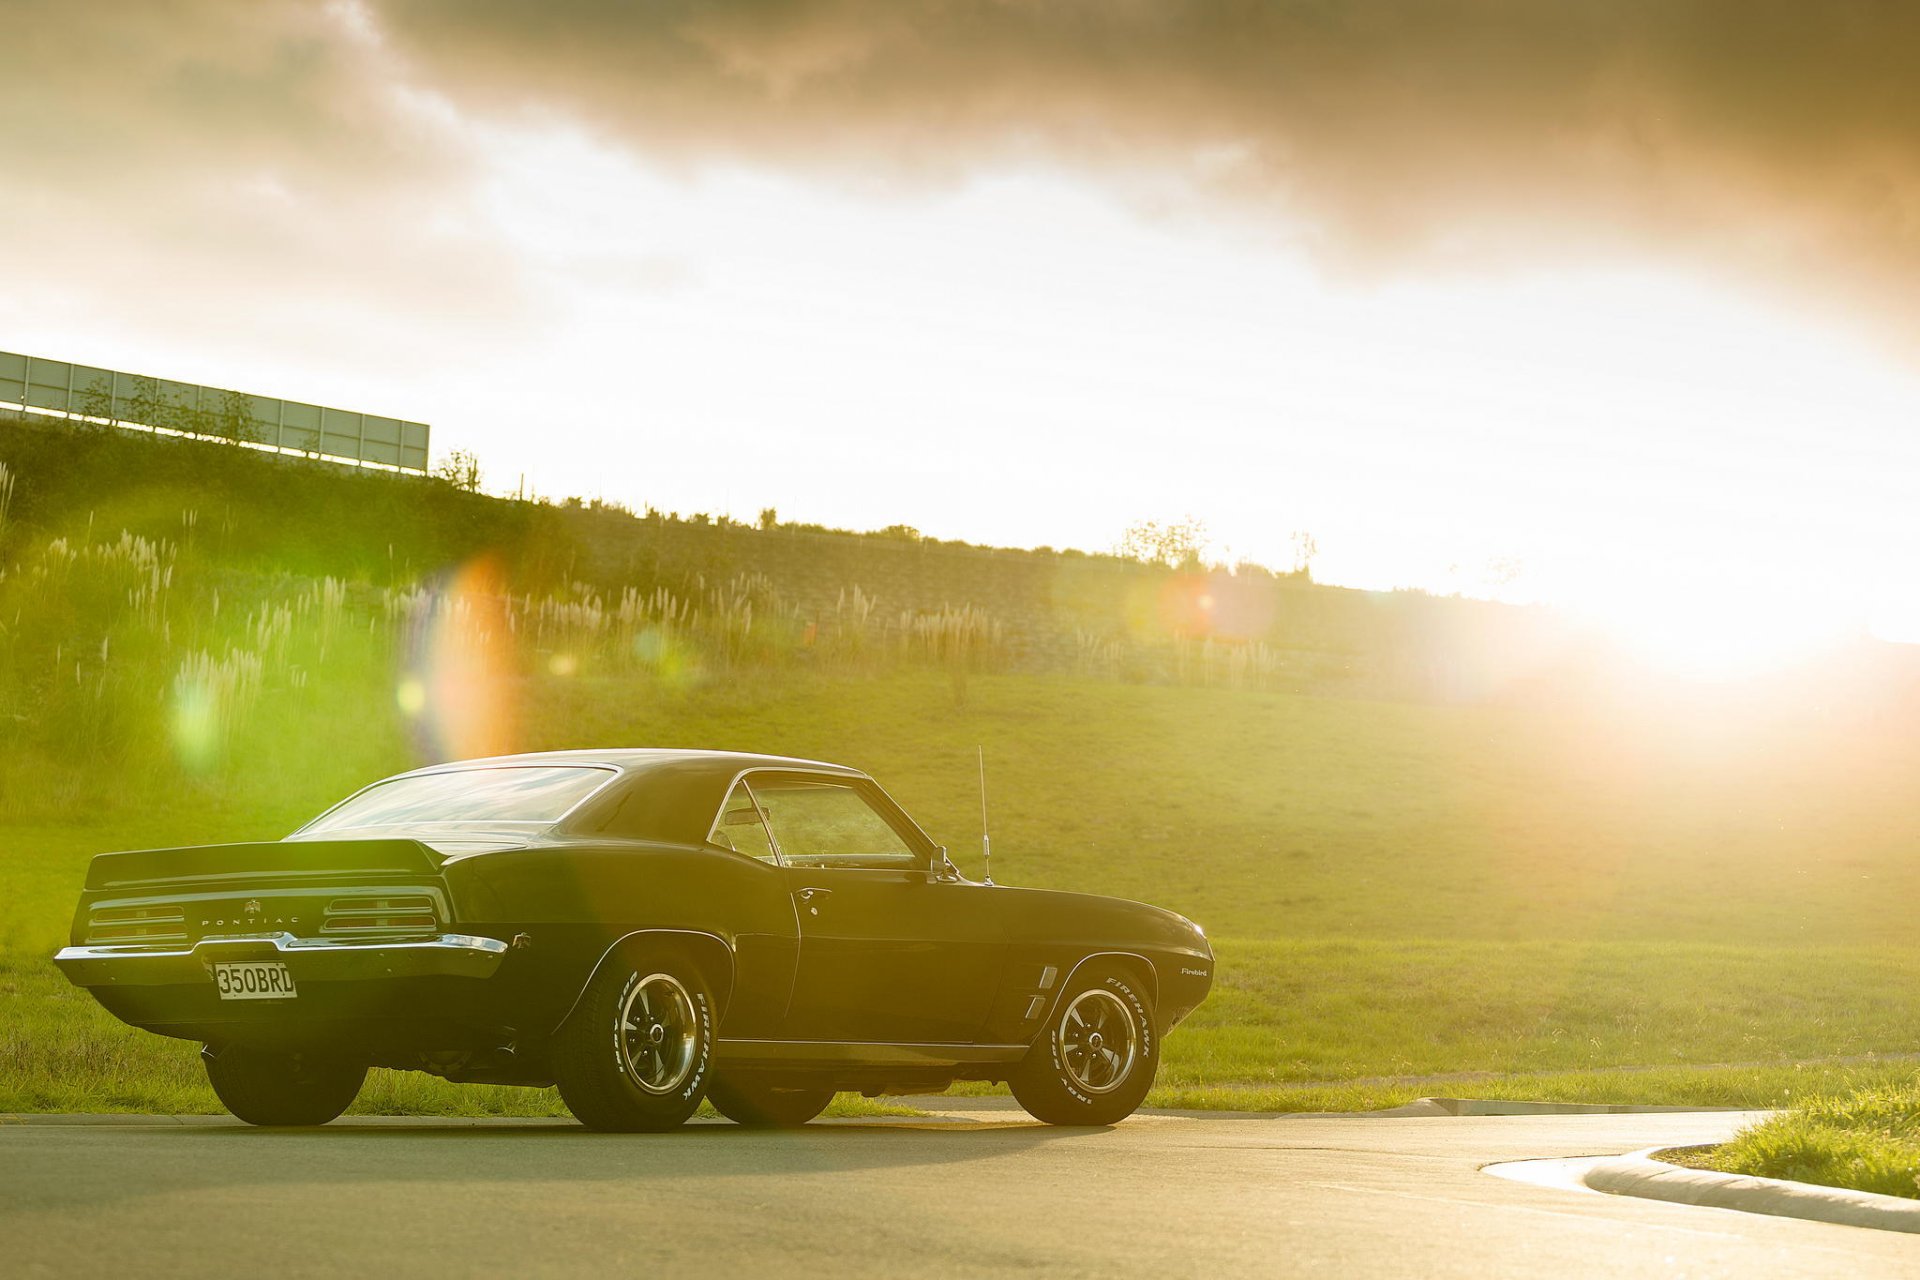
(1502, 1107)
(1639, 1174)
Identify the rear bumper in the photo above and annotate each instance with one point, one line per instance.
(308, 959)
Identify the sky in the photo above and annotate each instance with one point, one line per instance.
(1610, 305)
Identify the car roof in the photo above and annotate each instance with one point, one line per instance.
(643, 759)
(666, 794)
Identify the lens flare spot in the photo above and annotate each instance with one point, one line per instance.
(650, 646)
(411, 696)
(196, 732)
(460, 660)
(213, 698)
(563, 664)
(665, 658)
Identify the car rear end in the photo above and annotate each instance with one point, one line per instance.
(286, 944)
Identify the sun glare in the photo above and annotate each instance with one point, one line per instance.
(1066, 365)
(1425, 430)
(1719, 633)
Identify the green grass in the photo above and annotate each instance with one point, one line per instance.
(1749, 1086)
(1398, 892)
(1330, 1010)
(1606, 888)
(1866, 1137)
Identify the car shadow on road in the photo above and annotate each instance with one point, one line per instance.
(218, 1157)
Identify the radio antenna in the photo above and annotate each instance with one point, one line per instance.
(986, 844)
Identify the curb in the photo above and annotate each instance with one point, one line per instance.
(1639, 1174)
(1501, 1107)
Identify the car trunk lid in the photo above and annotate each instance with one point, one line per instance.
(342, 889)
(264, 860)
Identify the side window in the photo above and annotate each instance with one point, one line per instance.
(741, 826)
(825, 824)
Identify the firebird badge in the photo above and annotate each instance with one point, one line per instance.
(253, 907)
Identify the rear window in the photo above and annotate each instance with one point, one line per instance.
(532, 794)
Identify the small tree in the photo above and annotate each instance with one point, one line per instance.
(154, 407)
(96, 400)
(460, 469)
(1178, 544)
(231, 418)
(1304, 550)
(145, 406)
(769, 518)
(1504, 571)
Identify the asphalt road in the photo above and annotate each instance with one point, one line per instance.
(980, 1193)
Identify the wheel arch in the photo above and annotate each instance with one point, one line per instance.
(711, 952)
(1134, 961)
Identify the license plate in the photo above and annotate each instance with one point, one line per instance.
(253, 980)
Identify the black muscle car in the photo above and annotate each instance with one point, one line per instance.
(642, 928)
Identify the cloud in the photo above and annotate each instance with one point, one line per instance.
(1778, 139)
(238, 174)
(309, 161)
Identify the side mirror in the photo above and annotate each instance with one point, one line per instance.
(943, 868)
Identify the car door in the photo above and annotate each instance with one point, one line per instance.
(889, 952)
(734, 888)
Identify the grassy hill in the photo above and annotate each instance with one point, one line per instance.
(1593, 898)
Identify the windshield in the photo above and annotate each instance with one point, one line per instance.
(528, 794)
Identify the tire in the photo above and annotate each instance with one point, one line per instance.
(269, 1088)
(1098, 1055)
(761, 1105)
(636, 1054)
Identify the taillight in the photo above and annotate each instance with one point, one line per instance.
(365, 915)
(161, 922)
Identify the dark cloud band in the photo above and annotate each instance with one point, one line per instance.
(1779, 138)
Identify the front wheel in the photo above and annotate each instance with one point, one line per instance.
(635, 1055)
(750, 1102)
(269, 1088)
(1096, 1060)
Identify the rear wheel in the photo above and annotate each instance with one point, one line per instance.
(1097, 1058)
(265, 1087)
(635, 1055)
(747, 1101)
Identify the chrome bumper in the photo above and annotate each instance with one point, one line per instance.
(308, 959)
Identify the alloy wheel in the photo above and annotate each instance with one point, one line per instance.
(1099, 1041)
(658, 1033)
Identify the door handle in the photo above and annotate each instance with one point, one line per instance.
(811, 898)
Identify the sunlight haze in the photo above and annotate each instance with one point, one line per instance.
(1004, 348)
